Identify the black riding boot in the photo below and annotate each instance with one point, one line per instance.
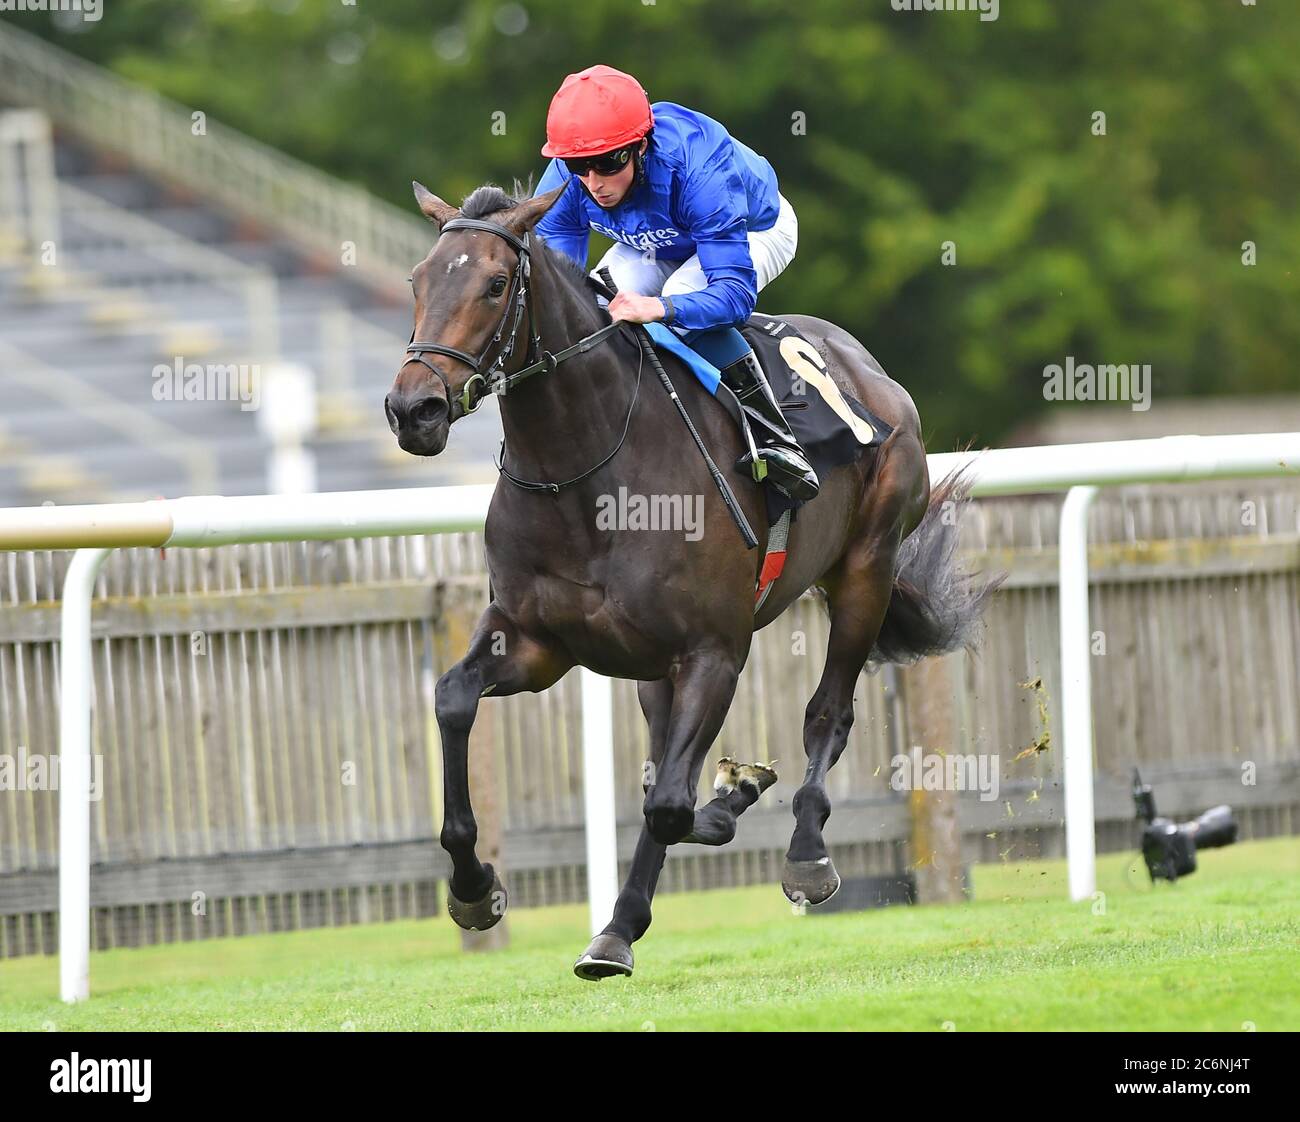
(780, 459)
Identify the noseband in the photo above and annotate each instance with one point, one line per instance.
(494, 379)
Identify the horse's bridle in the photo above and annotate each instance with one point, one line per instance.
(497, 381)
(493, 379)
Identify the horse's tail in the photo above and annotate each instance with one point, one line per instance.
(935, 603)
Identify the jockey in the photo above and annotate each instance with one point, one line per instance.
(698, 228)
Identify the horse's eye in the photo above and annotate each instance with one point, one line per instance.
(498, 287)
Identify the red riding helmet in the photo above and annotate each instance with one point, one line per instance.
(595, 111)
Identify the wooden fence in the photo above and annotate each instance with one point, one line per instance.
(264, 719)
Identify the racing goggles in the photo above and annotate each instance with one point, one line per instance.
(608, 163)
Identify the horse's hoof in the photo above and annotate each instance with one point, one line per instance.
(731, 775)
(607, 956)
(481, 914)
(809, 882)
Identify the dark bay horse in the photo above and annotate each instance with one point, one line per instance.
(673, 614)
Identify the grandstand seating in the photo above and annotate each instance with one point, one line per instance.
(145, 273)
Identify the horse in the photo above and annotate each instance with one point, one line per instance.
(672, 614)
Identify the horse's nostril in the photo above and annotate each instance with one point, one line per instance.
(429, 411)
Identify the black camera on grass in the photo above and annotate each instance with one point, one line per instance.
(1169, 848)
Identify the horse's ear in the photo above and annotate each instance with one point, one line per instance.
(528, 213)
(432, 207)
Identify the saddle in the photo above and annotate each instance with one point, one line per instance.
(832, 427)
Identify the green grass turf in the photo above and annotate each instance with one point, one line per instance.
(1218, 949)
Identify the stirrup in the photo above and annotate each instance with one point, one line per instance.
(788, 473)
(778, 457)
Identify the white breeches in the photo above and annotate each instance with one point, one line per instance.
(640, 271)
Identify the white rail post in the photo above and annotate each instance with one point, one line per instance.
(1076, 693)
(598, 796)
(74, 775)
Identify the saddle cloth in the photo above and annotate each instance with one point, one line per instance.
(832, 427)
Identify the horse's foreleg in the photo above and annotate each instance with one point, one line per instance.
(684, 714)
(610, 952)
(501, 660)
(715, 823)
(703, 687)
(739, 787)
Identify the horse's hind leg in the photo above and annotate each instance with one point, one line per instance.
(501, 660)
(857, 611)
(859, 592)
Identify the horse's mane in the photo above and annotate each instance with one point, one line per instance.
(485, 201)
